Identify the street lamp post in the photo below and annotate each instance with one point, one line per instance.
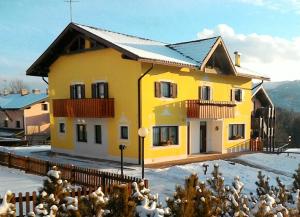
(143, 132)
(122, 147)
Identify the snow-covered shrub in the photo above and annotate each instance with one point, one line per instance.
(7, 208)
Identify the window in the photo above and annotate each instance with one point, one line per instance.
(205, 93)
(5, 123)
(77, 91)
(165, 135)
(98, 134)
(45, 107)
(237, 95)
(62, 128)
(100, 90)
(165, 89)
(81, 133)
(236, 131)
(124, 132)
(76, 45)
(18, 124)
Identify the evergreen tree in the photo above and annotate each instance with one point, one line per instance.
(296, 177)
(263, 186)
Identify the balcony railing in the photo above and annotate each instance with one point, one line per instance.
(84, 108)
(207, 109)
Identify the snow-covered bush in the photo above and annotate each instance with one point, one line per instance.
(209, 198)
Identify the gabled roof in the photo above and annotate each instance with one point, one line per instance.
(17, 101)
(192, 54)
(260, 92)
(250, 73)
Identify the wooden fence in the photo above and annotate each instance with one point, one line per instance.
(75, 175)
(27, 202)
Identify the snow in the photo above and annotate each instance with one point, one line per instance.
(162, 181)
(297, 150)
(18, 181)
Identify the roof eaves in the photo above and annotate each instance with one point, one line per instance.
(168, 63)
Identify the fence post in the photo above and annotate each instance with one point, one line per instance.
(73, 181)
(103, 180)
(47, 167)
(146, 183)
(9, 159)
(26, 164)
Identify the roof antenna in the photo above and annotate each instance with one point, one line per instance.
(70, 5)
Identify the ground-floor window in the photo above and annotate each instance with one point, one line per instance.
(166, 135)
(98, 134)
(18, 124)
(124, 132)
(81, 133)
(236, 131)
(5, 123)
(62, 128)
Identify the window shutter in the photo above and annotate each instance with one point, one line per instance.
(82, 91)
(242, 95)
(72, 91)
(210, 93)
(232, 94)
(94, 90)
(105, 90)
(174, 90)
(157, 92)
(200, 92)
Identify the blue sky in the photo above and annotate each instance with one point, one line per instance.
(266, 32)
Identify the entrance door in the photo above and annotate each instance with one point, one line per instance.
(203, 127)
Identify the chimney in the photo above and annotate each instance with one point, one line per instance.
(23, 92)
(237, 58)
(36, 91)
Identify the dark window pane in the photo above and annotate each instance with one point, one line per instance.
(61, 127)
(165, 89)
(81, 133)
(18, 124)
(98, 134)
(166, 135)
(124, 132)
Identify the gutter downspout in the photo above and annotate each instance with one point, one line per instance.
(262, 81)
(45, 80)
(140, 108)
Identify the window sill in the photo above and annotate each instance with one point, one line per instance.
(165, 146)
(234, 140)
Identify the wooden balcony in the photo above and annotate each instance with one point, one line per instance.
(206, 109)
(84, 108)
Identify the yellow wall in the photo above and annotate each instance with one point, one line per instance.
(158, 111)
(122, 76)
(88, 67)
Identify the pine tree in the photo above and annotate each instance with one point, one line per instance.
(263, 186)
(296, 177)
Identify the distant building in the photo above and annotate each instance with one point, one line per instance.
(263, 117)
(24, 112)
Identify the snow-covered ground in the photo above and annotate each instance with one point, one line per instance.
(163, 181)
(18, 181)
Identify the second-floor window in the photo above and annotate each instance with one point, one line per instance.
(44, 107)
(237, 95)
(100, 90)
(165, 89)
(77, 91)
(205, 93)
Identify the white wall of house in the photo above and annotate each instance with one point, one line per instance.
(91, 148)
(214, 134)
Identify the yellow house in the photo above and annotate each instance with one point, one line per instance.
(104, 86)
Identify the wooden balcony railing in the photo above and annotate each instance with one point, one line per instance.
(207, 109)
(84, 108)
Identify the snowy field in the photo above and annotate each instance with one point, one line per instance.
(163, 181)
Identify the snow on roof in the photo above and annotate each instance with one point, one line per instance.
(17, 101)
(144, 48)
(247, 72)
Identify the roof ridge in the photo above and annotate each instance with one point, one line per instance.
(128, 35)
(198, 40)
